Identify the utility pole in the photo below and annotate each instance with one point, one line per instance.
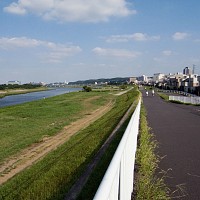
(193, 69)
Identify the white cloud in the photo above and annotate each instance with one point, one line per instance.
(116, 52)
(18, 42)
(52, 52)
(130, 37)
(15, 9)
(72, 10)
(57, 53)
(180, 36)
(167, 53)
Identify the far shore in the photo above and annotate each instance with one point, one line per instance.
(4, 93)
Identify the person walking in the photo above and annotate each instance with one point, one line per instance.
(147, 93)
(153, 92)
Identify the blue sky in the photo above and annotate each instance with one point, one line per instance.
(58, 40)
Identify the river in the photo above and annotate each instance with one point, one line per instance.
(23, 98)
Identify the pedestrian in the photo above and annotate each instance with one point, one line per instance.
(153, 92)
(147, 93)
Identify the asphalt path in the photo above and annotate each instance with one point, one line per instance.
(177, 130)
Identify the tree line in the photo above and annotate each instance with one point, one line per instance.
(16, 86)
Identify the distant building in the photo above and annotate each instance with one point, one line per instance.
(158, 77)
(14, 83)
(150, 79)
(143, 79)
(132, 80)
(193, 80)
(39, 83)
(174, 81)
(187, 71)
(190, 84)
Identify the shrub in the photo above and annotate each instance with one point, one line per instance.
(87, 89)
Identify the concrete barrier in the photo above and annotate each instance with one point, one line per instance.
(183, 99)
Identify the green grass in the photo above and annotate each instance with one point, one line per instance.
(163, 96)
(28, 123)
(2, 95)
(96, 177)
(52, 177)
(148, 186)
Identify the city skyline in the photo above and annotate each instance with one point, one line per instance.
(67, 40)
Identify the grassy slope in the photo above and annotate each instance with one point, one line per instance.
(28, 123)
(163, 96)
(96, 177)
(52, 177)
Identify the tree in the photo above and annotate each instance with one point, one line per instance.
(87, 89)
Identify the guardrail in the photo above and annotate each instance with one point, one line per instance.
(117, 183)
(191, 100)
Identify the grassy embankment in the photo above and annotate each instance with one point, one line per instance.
(148, 186)
(96, 177)
(52, 177)
(163, 96)
(28, 123)
(8, 92)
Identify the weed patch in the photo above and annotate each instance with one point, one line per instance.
(163, 96)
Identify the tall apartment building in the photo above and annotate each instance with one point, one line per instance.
(187, 71)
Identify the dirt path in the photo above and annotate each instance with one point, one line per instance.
(35, 152)
(123, 92)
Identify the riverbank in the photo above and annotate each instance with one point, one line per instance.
(8, 92)
(61, 167)
(34, 96)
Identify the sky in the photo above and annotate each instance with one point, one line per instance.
(69, 40)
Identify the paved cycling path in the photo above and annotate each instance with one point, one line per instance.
(177, 130)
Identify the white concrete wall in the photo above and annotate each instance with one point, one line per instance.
(183, 99)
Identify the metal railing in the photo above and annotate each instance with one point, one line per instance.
(117, 183)
(191, 100)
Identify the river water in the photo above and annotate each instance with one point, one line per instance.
(23, 98)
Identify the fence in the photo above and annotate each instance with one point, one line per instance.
(177, 92)
(183, 99)
(117, 183)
